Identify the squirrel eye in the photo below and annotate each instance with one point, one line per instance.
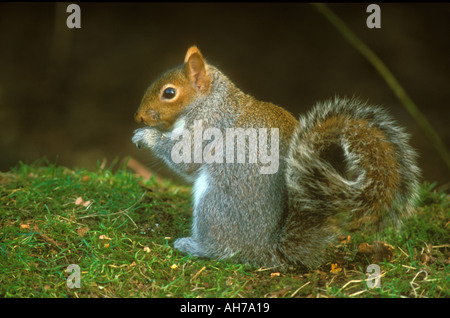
(169, 93)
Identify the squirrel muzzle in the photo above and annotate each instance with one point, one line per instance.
(149, 117)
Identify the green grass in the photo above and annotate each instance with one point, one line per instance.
(122, 241)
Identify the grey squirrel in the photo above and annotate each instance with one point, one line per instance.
(344, 162)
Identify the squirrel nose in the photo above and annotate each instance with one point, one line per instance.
(137, 118)
(149, 116)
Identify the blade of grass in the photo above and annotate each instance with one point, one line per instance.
(387, 75)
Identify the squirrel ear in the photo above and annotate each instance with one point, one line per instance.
(196, 69)
(192, 50)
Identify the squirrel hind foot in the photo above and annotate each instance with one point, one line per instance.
(187, 245)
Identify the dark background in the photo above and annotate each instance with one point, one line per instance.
(71, 93)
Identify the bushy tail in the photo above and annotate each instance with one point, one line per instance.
(346, 159)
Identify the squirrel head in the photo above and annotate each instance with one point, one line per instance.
(166, 98)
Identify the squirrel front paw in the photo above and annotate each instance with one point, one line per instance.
(145, 137)
(188, 246)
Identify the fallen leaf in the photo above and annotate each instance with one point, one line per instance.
(81, 231)
(378, 250)
(335, 268)
(104, 237)
(80, 201)
(429, 255)
(344, 239)
(25, 226)
(365, 248)
(147, 249)
(85, 178)
(425, 258)
(276, 274)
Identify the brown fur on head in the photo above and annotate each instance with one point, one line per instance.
(174, 91)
